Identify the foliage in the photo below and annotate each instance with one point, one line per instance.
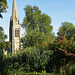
(67, 29)
(3, 6)
(64, 52)
(8, 46)
(71, 69)
(2, 35)
(1, 61)
(66, 46)
(38, 28)
(2, 46)
(29, 60)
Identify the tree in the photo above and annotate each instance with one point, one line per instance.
(2, 35)
(2, 46)
(3, 6)
(67, 29)
(64, 53)
(37, 25)
(8, 46)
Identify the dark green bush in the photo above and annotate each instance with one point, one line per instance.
(71, 70)
(29, 60)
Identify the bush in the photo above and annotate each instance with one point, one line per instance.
(71, 70)
(29, 59)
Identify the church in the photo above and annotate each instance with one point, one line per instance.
(14, 29)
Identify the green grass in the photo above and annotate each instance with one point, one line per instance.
(41, 74)
(34, 74)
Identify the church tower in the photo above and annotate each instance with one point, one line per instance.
(14, 29)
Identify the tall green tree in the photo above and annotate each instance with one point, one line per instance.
(3, 6)
(67, 29)
(2, 46)
(37, 26)
(2, 39)
(2, 35)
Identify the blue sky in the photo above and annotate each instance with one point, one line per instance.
(59, 11)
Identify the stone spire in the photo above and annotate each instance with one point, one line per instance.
(14, 29)
(14, 10)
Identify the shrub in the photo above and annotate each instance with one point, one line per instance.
(71, 70)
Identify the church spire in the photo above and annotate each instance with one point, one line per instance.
(14, 10)
(15, 29)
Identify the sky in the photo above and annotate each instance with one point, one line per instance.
(59, 11)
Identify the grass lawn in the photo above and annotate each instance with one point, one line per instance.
(41, 74)
(34, 74)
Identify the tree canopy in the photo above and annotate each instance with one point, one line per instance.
(3, 6)
(38, 27)
(67, 29)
